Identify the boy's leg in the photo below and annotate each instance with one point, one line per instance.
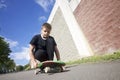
(50, 48)
(37, 70)
(41, 55)
(32, 65)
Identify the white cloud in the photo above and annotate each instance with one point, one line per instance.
(2, 4)
(42, 18)
(11, 42)
(22, 55)
(45, 4)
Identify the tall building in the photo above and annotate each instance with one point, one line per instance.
(86, 27)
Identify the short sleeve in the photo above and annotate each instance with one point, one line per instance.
(54, 42)
(34, 40)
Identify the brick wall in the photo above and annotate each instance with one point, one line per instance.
(100, 22)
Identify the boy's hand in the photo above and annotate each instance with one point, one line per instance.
(58, 59)
(34, 64)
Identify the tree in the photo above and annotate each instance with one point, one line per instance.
(4, 51)
(5, 62)
(27, 67)
(10, 64)
(19, 68)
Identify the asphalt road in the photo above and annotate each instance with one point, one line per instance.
(89, 71)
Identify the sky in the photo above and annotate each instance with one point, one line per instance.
(20, 20)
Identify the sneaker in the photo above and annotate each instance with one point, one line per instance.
(62, 68)
(47, 69)
(37, 71)
(53, 70)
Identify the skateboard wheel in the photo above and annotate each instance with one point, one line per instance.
(47, 69)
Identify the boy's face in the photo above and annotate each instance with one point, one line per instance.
(45, 32)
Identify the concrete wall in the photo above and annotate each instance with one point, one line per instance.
(63, 37)
(73, 4)
(100, 22)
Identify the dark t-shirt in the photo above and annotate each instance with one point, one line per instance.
(44, 49)
(40, 43)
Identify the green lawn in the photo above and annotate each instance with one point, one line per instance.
(98, 58)
(93, 59)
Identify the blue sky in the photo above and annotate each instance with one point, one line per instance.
(20, 20)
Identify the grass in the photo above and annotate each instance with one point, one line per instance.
(97, 58)
(93, 59)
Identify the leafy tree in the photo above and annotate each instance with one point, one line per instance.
(10, 64)
(27, 67)
(5, 62)
(19, 68)
(4, 51)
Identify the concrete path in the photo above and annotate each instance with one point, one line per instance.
(89, 71)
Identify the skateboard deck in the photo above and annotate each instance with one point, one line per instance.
(56, 66)
(51, 64)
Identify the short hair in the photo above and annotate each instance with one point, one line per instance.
(47, 25)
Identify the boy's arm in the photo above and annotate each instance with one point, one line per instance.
(32, 58)
(57, 53)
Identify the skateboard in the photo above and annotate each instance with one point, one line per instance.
(52, 66)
